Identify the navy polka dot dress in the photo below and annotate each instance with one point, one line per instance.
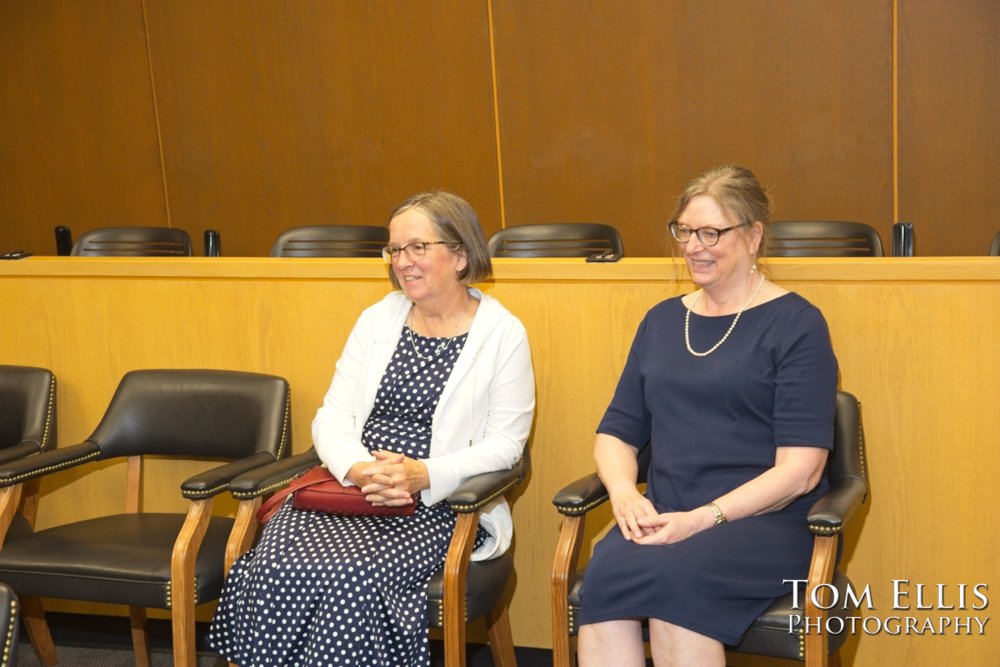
(325, 590)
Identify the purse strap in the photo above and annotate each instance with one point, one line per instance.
(273, 504)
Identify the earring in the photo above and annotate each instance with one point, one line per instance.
(753, 269)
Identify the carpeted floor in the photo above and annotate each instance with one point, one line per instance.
(74, 656)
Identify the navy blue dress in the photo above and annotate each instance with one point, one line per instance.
(714, 423)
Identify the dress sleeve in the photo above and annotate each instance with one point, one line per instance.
(628, 417)
(806, 383)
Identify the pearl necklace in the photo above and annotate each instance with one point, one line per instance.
(687, 322)
(443, 345)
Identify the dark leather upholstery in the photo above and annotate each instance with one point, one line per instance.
(133, 242)
(331, 241)
(240, 418)
(27, 411)
(769, 635)
(823, 238)
(566, 239)
(9, 613)
(486, 581)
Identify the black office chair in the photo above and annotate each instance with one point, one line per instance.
(146, 559)
(9, 613)
(331, 241)
(769, 635)
(995, 247)
(565, 239)
(133, 242)
(824, 238)
(463, 590)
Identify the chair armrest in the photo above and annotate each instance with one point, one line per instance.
(15, 472)
(581, 496)
(215, 481)
(474, 493)
(19, 451)
(830, 513)
(265, 479)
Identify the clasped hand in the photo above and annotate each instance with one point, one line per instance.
(392, 479)
(641, 523)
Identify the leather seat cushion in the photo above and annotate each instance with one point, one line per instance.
(120, 559)
(485, 586)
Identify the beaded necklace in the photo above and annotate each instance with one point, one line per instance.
(687, 322)
(443, 345)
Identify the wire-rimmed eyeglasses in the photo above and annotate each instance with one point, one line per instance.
(415, 250)
(708, 236)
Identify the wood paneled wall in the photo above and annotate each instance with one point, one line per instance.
(251, 117)
(912, 337)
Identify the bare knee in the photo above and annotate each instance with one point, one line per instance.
(675, 646)
(611, 643)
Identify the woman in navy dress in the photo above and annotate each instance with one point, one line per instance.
(734, 387)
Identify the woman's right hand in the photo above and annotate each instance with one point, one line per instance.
(628, 506)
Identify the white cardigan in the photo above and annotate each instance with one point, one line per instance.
(481, 421)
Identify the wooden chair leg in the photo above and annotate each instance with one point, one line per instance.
(456, 566)
(820, 572)
(38, 631)
(140, 637)
(563, 572)
(500, 636)
(182, 588)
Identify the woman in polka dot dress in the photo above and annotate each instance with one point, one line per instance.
(434, 385)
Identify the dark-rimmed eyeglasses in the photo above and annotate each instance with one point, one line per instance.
(415, 250)
(708, 236)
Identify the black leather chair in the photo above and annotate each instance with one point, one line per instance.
(133, 242)
(565, 239)
(769, 635)
(995, 246)
(824, 238)
(9, 613)
(331, 241)
(463, 590)
(27, 423)
(143, 559)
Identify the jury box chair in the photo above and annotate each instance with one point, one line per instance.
(133, 242)
(463, 590)
(331, 241)
(148, 559)
(824, 238)
(769, 635)
(564, 239)
(27, 422)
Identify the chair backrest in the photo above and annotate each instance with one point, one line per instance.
(27, 407)
(133, 242)
(196, 413)
(995, 247)
(564, 239)
(824, 238)
(331, 241)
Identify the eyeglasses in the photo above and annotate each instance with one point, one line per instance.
(415, 250)
(708, 236)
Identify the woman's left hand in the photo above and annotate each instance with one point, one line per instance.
(395, 479)
(671, 527)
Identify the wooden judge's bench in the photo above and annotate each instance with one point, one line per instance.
(918, 341)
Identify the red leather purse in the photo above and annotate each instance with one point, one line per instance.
(319, 491)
